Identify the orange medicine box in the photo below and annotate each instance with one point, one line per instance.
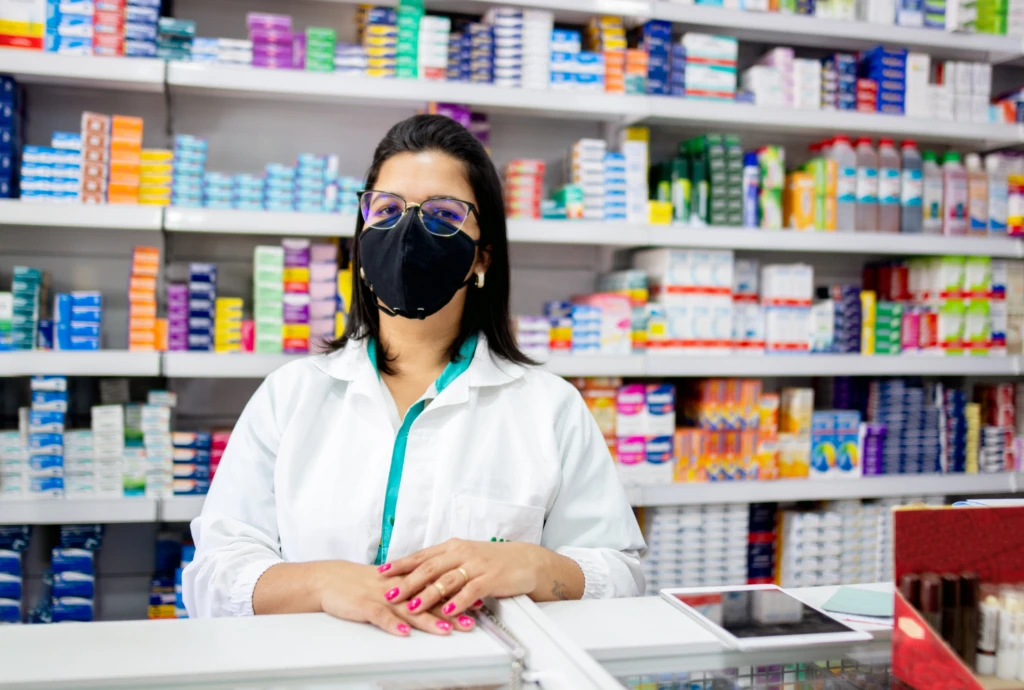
(95, 122)
(126, 127)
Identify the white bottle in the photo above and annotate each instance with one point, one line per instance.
(911, 189)
(998, 193)
(954, 195)
(867, 187)
(846, 183)
(888, 186)
(977, 195)
(932, 199)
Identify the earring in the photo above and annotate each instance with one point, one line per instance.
(361, 273)
(480, 279)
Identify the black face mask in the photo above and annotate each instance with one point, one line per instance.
(412, 271)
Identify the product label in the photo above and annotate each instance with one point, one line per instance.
(978, 205)
(889, 186)
(998, 201)
(933, 200)
(846, 185)
(911, 188)
(867, 186)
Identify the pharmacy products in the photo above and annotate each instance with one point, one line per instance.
(932, 199)
(888, 186)
(867, 187)
(846, 183)
(911, 188)
(954, 195)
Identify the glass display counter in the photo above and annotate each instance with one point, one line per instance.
(641, 644)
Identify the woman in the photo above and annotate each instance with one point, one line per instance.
(423, 464)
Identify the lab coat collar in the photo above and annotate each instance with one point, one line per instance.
(352, 363)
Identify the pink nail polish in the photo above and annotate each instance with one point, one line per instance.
(404, 629)
(478, 604)
(414, 604)
(384, 568)
(466, 621)
(444, 625)
(391, 594)
(448, 608)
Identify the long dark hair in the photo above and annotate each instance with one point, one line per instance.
(487, 308)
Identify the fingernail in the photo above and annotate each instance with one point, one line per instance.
(479, 603)
(444, 625)
(414, 604)
(448, 608)
(384, 568)
(404, 629)
(466, 621)
(391, 594)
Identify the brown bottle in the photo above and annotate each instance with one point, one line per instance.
(910, 588)
(931, 601)
(969, 618)
(952, 630)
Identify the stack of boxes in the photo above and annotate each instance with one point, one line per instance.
(13, 468)
(350, 59)
(645, 427)
(108, 450)
(524, 188)
(312, 177)
(135, 464)
(796, 407)
(247, 192)
(69, 27)
(10, 137)
(809, 549)
(79, 464)
(807, 84)
(46, 437)
(776, 82)
(615, 186)
(202, 298)
(224, 51)
(268, 298)
(323, 276)
(191, 463)
(710, 66)
(656, 40)
(747, 312)
(296, 332)
(13, 542)
(432, 51)
(636, 71)
(140, 27)
(218, 444)
(887, 68)
(587, 171)
(839, 82)
(696, 546)
(761, 544)
(227, 325)
(787, 291)
(156, 439)
(76, 320)
(188, 553)
(6, 319)
(344, 300)
(280, 183)
(73, 564)
(846, 309)
(911, 439)
(834, 444)
(143, 329)
(218, 191)
(125, 159)
(95, 158)
(507, 28)
(859, 561)
(888, 321)
(156, 175)
(634, 147)
(108, 28)
(272, 40)
(174, 38)
(27, 293)
(320, 46)
(457, 68)
(177, 317)
(537, 28)
(408, 16)
(607, 35)
(954, 423)
(533, 336)
(378, 33)
(189, 166)
(480, 39)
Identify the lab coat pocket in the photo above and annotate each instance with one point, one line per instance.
(480, 519)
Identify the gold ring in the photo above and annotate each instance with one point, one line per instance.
(440, 588)
(465, 575)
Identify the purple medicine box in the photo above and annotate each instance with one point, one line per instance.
(262, 20)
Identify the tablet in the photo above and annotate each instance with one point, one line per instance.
(752, 617)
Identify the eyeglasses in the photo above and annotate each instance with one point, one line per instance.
(443, 217)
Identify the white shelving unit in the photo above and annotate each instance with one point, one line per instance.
(108, 217)
(258, 222)
(673, 365)
(819, 490)
(180, 508)
(102, 511)
(597, 365)
(120, 73)
(97, 363)
(225, 366)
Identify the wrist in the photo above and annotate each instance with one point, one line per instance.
(317, 580)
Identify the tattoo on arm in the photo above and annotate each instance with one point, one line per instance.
(558, 591)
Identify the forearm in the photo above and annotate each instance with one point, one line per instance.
(290, 588)
(558, 578)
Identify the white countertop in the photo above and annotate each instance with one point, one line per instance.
(312, 647)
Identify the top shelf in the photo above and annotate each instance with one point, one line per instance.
(121, 73)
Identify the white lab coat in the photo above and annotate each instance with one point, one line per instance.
(504, 451)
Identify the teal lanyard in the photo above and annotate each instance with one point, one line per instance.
(450, 373)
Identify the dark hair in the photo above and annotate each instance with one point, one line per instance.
(487, 308)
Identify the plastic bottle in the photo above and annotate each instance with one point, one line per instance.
(911, 189)
(931, 222)
(998, 193)
(977, 195)
(867, 187)
(751, 190)
(888, 186)
(954, 194)
(846, 183)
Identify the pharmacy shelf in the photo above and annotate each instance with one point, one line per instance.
(789, 29)
(673, 365)
(180, 508)
(609, 233)
(313, 87)
(112, 217)
(57, 512)
(204, 365)
(868, 243)
(258, 222)
(97, 363)
(750, 118)
(825, 489)
(596, 365)
(120, 73)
